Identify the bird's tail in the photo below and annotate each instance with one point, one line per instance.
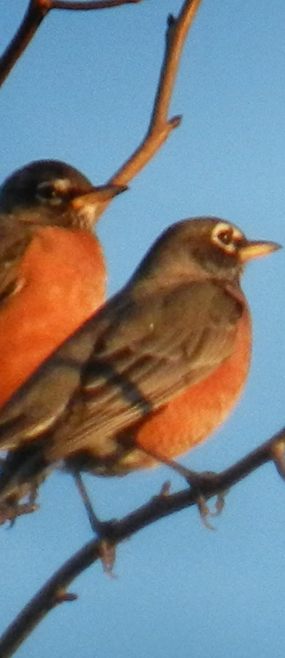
(21, 473)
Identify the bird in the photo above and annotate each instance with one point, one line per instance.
(150, 375)
(52, 268)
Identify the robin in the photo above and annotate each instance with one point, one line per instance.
(148, 376)
(52, 270)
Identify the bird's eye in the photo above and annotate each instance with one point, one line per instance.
(225, 236)
(47, 193)
(228, 238)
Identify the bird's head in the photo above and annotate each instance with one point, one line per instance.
(202, 248)
(53, 192)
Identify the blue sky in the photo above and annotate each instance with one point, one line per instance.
(83, 93)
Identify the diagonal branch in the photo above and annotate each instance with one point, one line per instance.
(34, 16)
(160, 126)
(36, 12)
(54, 591)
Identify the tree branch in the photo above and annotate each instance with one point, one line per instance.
(87, 6)
(34, 15)
(160, 126)
(36, 12)
(54, 591)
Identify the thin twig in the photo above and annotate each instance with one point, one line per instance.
(55, 590)
(87, 6)
(160, 126)
(36, 12)
(34, 16)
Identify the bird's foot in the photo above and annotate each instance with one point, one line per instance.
(107, 551)
(205, 512)
(11, 511)
(103, 529)
(202, 485)
(107, 545)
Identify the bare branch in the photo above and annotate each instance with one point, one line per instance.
(160, 126)
(35, 14)
(87, 6)
(55, 590)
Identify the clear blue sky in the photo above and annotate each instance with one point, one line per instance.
(83, 93)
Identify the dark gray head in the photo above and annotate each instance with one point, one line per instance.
(52, 192)
(200, 248)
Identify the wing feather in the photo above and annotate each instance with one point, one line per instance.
(129, 360)
(150, 356)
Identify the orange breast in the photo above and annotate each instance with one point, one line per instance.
(62, 282)
(193, 416)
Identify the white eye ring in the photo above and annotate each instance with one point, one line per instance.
(226, 237)
(47, 194)
(53, 192)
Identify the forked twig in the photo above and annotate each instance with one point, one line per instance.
(55, 590)
(36, 12)
(160, 126)
(34, 16)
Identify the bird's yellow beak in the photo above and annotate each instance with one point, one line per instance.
(97, 195)
(257, 249)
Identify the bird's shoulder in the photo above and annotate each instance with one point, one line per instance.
(186, 307)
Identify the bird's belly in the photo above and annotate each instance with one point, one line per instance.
(62, 278)
(194, 415)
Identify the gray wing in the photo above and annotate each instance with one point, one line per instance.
(128, 360)
(149, 355)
